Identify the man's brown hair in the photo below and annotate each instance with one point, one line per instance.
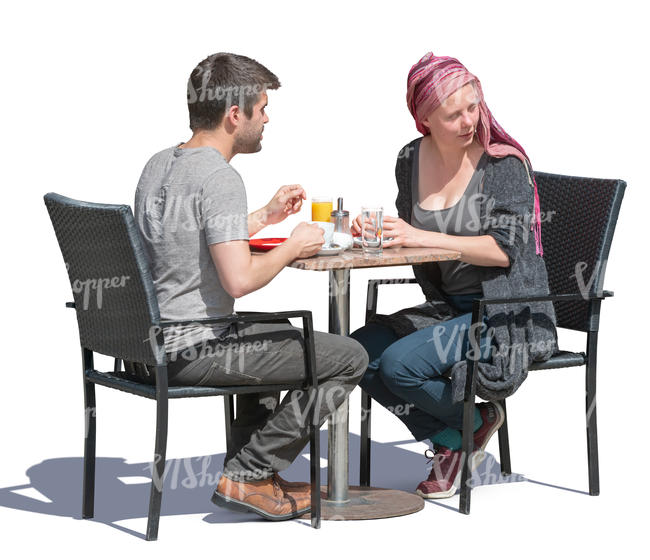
(221, 81)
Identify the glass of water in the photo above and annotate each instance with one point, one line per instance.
(372, 226)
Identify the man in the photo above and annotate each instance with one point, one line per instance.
(190, 207)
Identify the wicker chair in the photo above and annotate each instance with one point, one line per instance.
(580, 232)
(118, 316)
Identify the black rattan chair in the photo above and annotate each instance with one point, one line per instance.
(578, 235)
(118, 316)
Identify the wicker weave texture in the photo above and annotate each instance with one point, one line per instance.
(579, 219)
(112, 287)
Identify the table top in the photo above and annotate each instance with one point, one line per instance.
(394, 256)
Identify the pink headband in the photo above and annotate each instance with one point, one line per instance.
(431, 81)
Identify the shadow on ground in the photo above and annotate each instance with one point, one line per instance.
(122, 488)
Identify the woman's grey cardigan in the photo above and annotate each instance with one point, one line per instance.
(521, 332)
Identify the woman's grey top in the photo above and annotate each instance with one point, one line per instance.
(521, 332)
(462, 218)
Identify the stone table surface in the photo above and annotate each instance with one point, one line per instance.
(394, 256)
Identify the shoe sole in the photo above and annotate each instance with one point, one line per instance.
(476, 459)
(236, 505)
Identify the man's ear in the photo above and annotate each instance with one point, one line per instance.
(233, 116)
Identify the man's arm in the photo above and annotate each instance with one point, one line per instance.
(241, 273)
(256, 221)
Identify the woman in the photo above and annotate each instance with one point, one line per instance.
(464, 185)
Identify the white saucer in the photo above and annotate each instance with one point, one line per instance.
(333, 249)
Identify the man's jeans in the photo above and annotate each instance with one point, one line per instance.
(267, 435)
(406, 375)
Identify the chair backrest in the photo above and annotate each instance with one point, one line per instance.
(578, 222)
(114, 295)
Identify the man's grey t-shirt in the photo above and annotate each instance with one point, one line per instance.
(186, 200)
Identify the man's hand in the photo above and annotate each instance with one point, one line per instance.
(285, 202)
(307, 238)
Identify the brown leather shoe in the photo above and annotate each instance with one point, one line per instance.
(288, 486)
(264, 497)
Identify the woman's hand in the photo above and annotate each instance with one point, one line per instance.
(403, 234)
(355, 228)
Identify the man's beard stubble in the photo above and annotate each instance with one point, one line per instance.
(247, 142)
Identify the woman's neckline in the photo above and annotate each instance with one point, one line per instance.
(417, 175)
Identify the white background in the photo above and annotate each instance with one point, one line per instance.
(92, 90)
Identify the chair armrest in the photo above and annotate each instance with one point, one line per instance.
(550, 297)
(477, 313)
(371, 298)
(392, 281)
(309, 351)
(243, 317)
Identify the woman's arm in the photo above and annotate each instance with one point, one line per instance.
(481, 250)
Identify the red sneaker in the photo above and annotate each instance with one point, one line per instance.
(446, 471)
(493, 416)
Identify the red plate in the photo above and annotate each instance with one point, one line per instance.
(266, 243)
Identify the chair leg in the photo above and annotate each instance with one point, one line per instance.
(229, 413)
(364, 463)
(314, 466)
(466, 456)
(592, 432)
(158, 470)
(90, 436)
(504, 443)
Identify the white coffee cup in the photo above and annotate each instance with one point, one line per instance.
(328, 231)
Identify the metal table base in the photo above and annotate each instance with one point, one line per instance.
(343, 502)
(366, 502)
(340, 501)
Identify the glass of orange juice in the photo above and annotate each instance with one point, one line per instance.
(321, 208)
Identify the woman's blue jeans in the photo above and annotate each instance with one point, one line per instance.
(406, 375)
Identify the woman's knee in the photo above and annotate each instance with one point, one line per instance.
(375, 339)
(395, 372)
(371, 381)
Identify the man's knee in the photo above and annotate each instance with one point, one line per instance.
(358, 359)
(351, 357)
